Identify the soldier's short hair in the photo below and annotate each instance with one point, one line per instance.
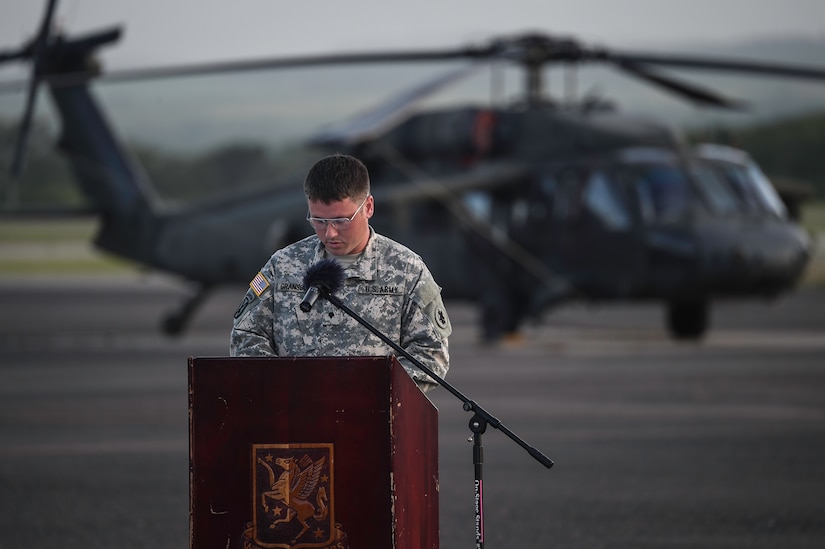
(337, 177)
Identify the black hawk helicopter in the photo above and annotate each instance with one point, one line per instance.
(518, 207)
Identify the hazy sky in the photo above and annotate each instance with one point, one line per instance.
(178, 31)
(172, 32)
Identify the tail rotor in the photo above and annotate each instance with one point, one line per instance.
(34, 51)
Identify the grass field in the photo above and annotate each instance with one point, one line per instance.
(813, 217)
(54, 247)
(46, 230)
(64, 246)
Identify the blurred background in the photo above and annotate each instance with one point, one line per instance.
(658, 443)
(193, 134)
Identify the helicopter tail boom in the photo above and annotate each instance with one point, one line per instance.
(112, 181)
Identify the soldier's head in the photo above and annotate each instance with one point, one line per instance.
(339, 203)
(337, 177)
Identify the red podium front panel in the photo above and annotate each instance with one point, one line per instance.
(311, 452)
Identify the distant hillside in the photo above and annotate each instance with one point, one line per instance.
(789, 149)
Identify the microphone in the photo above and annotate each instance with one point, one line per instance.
(325, 277)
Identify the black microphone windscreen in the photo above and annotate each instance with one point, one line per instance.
(327, 274)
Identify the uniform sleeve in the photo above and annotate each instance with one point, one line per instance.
(252, 326)
(425, 332)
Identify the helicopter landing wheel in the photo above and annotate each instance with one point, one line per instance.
(688, 319)
(175, 323)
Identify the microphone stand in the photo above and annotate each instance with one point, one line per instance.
(478, 423)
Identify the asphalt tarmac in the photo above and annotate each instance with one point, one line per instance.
(656, 443)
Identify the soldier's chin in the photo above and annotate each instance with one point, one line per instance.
(335, 248)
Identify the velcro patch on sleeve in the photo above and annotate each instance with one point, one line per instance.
(259, 284)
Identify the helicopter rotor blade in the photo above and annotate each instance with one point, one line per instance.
(528, 49)
(389, 114)
(229, 67)
(723, 65)
(37, 46)
(532, 51)
(692, 92)
(23, 130)
(280, 63)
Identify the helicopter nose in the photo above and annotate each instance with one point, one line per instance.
(765, 258)
(776, 262)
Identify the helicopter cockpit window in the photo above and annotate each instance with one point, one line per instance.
(602, 197)
(765, 190)
(745, 191)
(754, 189)
(714, 189)
(663, 192)
(479, 204)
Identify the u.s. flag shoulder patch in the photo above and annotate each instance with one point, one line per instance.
(259, 284)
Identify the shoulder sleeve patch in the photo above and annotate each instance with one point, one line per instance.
(259, 284)
(248, 299)
(437, 314)
(441, 317)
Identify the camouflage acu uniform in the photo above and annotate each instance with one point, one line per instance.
(389, 286)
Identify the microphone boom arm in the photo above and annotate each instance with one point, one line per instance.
(481, 417)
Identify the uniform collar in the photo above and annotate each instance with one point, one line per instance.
(366, 265)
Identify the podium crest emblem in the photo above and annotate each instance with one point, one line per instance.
(293, 498)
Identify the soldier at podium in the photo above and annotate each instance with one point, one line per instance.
(386, 283)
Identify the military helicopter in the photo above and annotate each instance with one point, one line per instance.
(518, 207)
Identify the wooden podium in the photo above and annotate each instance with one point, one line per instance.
(310, 452)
